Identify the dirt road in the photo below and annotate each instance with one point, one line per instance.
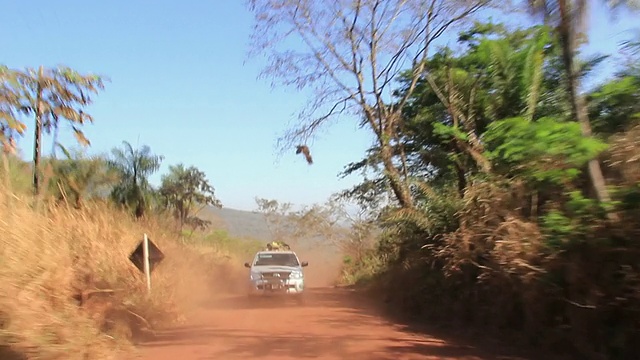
(333, 324)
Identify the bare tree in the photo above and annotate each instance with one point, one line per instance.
(277, 216)
(352, 50)
(334, 226)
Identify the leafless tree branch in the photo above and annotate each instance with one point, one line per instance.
(349, 52)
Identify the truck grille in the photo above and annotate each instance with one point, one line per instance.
(276, 275)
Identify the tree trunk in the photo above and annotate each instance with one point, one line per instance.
(37, 143)
(182, 215)
(78, 203)
(140, 208)
(399, 187)
(56, 132)
(578, 105)
(462, 180)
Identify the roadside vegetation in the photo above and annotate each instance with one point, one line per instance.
(500, 192)
(70, 221)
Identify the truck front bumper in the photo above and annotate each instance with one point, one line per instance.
(263, 287)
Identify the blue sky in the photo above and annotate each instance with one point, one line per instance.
(182, 84)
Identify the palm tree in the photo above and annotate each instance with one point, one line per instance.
(54, 94)
(77, 178)
(631, 49)
(134, 167)
(633, 45)
(569, 18)
(9, 103)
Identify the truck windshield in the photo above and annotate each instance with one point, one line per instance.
(286, 259)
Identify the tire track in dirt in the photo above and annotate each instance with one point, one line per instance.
(333, 324)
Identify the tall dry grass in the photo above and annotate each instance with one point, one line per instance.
(68, 290)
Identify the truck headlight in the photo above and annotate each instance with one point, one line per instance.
(296, 275)
(256, 276)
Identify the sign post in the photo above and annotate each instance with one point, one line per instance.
(146, 257)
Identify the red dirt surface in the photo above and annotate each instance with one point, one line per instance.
(332, 324)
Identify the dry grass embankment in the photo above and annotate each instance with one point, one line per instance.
(68, 290)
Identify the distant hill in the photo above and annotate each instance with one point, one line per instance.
(250, 225)
(239, 223)
(325, 261)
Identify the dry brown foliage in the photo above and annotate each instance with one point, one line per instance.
(493, 233)
(68, 290)
(624, 155)
(499, 270)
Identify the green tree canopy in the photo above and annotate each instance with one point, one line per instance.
(134, 166)
(186, 191)
(77, 178)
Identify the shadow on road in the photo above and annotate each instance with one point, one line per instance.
(255, 345)
(315, 297)
(6, 353)
(333, 323)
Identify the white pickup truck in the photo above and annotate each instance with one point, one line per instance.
(276, 272)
